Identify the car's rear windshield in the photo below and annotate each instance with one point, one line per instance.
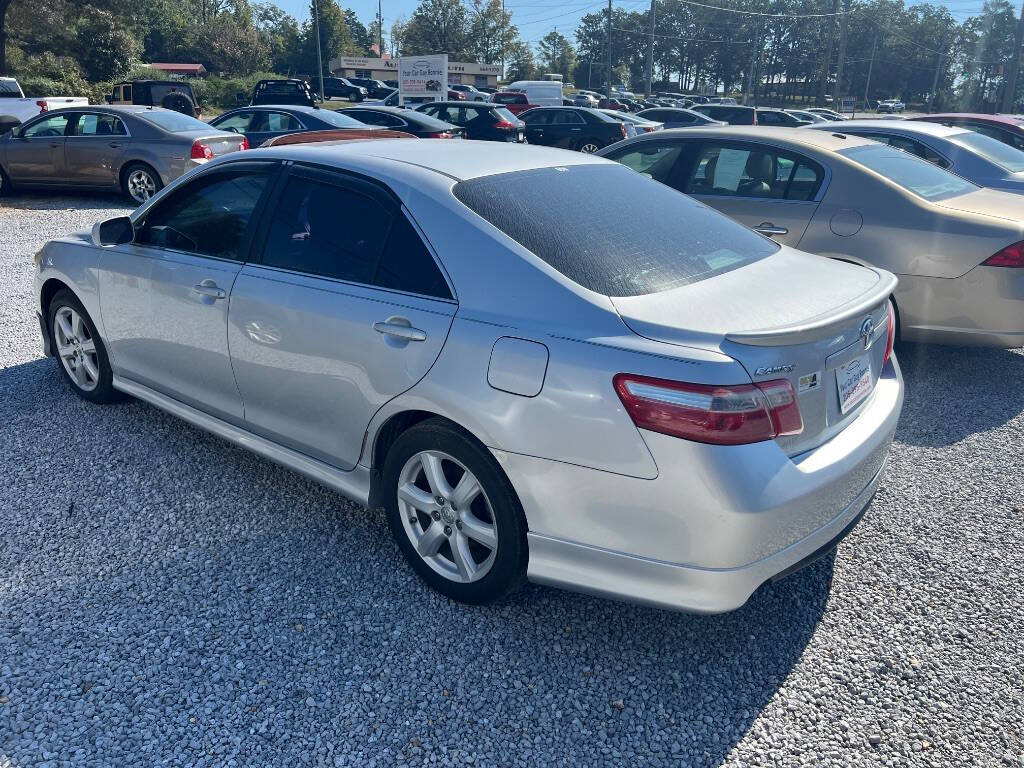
(504, 114)
(337, 119)
(175, 122)
(9, 89)
(912, 173)
(611, 230)
(1006, 157)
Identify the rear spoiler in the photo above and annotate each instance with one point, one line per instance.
(815, 328)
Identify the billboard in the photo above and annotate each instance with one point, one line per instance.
(423, 78)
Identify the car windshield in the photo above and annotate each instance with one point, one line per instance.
(1006, 157)
(643, 239)
(912, 173)
(336, 119)
(175, 122)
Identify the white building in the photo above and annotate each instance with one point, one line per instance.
(468, 73)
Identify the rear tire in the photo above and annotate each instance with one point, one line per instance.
(5, 184)
(140, 182)
(80, 352)
(454, 514)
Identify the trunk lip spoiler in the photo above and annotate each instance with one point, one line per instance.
(796, 333)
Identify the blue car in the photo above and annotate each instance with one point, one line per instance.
(261, 123)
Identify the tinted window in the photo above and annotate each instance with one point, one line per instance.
(643, 239)
(406, 265)
(275, 122)
(336, 119)
(175, 122)
(536, 116)
(993, 150)
(374, 118)
(98, 125)
(327, 230)
(209, 216)
(502, 114)
(753, 172)
(653, 160)
(566, 117)
(50, 127)
(769, 118)
(909, 172)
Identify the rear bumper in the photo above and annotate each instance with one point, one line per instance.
(715, 523)
(983, 308)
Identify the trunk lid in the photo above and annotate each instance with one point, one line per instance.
(986, 202)
(220, 143)
(792, 316)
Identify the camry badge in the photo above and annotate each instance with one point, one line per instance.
(767, 369)
(867, 332)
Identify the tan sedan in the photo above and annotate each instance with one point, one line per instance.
(958, 249)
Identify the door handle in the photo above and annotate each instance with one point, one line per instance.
(767, 228)
(400, 328)
(209, 288)
(114, 145)
(54, 145)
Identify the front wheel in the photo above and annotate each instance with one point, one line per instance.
(454, 514)
(140, 182)
(78, 346)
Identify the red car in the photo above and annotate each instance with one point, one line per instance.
(514, 101)
(612, 104)
(1007, 128)
(456, 95)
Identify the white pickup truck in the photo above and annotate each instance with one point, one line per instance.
(16, 108)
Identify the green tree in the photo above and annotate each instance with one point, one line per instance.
(438, 26)
(557, 54)
(105, 49)
(491, 31)
(520, 64)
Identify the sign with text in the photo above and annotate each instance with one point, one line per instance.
(847, 104)
(423, 78)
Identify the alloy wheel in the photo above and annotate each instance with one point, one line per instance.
(141, 185)
(447, 516)
(589, 148)
(76, 348)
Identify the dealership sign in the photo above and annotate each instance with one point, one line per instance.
(423, 78)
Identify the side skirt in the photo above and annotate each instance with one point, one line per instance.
(354, 484)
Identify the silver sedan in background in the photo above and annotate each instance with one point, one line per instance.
(135, 149)
(958, 248)
(631, 395)
(982, 159)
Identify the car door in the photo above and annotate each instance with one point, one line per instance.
(565, 129)
(537, 123)
(771, 191)
(36, 155)
(94, 146)
(345, 310)
(164, 297)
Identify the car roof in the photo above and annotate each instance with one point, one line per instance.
(459, 160)
(1004, 119)
(903, 126)
(457, 103)
(830, 141)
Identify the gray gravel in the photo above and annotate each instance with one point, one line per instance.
(166, 598)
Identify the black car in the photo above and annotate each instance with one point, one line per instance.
(779, 117)
(375, 89)
(260, 123)
(410, 121)
(169, 94)
(343, 88)
(293, 91)
(733, 114)
(579, 128)
(676, 118)
(483, 121)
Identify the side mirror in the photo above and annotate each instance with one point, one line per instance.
(117, 231)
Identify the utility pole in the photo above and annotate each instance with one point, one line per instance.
(608, 85)
(867, 85)
(319, 55)
(935, 80)
(1011, 86)
(650, 54)
(753, 58)
(838, 93)
(826, 63)
(380, 31)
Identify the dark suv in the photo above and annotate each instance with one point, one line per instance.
(482, 121)
(169, 94)
(375, 89)
(293, 91)
(733, 114)
(580, 128)
(343, 88)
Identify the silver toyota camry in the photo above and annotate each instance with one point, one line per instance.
(541, 364)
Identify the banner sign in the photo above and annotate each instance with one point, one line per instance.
(423, 78)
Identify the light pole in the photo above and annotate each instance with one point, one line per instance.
(319, 55)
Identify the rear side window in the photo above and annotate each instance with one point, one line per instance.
(406, 264)
(909, 172)
(736, 171)
(643, 239)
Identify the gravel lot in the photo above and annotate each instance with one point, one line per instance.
(166, 598)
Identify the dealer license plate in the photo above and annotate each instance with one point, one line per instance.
(854, 381)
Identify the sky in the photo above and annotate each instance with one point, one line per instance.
(535, 18)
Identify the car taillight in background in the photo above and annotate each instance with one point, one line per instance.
(245, 143)
(1010, 256)
(892, 335)
(441, 135)
(201, 151)
(43, 107)
(503, 125)
(622, 127)
(726, 415)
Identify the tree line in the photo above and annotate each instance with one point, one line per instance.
(780, 50)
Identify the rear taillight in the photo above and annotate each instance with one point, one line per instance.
(622, 126)
(892, 336)
(503, 125)
(201, 151)
(729, 415)
(1010, 256)
(245, 143)
(43, 106)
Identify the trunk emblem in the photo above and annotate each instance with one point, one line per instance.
(867, 332)
(767, 369)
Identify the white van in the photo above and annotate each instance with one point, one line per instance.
(540, 93)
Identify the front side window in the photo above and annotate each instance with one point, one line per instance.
(51, 127)
(643, 239)
(909, 172)
(536, 116)
(209, 216)
(236, 123)
(275, 122)
(734, 171)
(127, 92)
(565, 117)
(93, 124)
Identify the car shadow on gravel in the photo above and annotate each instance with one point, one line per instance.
(168, 597)
(955, 392)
